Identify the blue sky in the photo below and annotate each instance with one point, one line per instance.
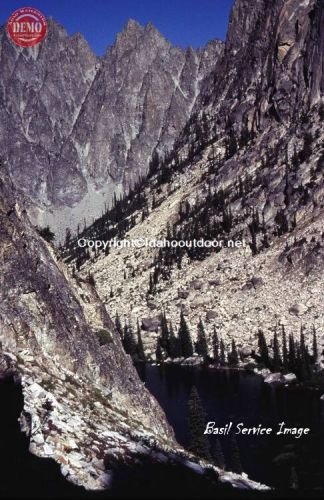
(183, 22)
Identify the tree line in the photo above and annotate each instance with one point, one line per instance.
(281, 354)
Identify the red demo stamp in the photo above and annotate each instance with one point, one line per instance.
(27, 27)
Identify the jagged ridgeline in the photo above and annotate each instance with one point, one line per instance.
(97, 140)
(254, 142)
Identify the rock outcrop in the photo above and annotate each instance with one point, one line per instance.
(78, 390)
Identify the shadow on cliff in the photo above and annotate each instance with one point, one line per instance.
(23, 475)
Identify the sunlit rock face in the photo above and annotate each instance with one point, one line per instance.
(74, 384)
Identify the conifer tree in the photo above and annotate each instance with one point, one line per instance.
(222, 355)
(118, 325)
(263, 348)
(233, 357)
(284, 349)
(152, 287)
(276, 352)
(197, 423)
(174, 350)
(293, 479)
(159, 352)
(164, 331)
(215, 344)
(218, 454)
(68, 236)
(140, 348)
(91, 279)
(129, 341)
(235, 457)
(185, 338)
(315, 348)
(305, 370)
(201, 344)
(46, 233)
(292, 354)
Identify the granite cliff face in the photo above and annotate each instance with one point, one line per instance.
(274, 65)
(248, 166)
(57, 336)
(85, 126)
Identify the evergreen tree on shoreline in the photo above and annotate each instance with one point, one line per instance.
(201, 344)
(164, 332)
(235, 457)
(185, 338)
(118, 326)
(215, 346)
(292, 354)
(218, 454)
(263, 348)
(284, 349)
(233, 357)
(174, 350)
(315, 347)
(140, 348)
(159, 352)
(129, 343)
(199, 443)
(222, 356)
(276, 352)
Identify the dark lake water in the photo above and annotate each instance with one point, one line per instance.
(243, 397)
(226, 396)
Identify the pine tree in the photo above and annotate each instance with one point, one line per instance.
(215, 344)
(292, 354)
(91, 279)
(222, 356)
(233, 357)
(315, 348)
(68, 236)
(152, 286)
(185, 338)
(201, 344)
(284, 349)
(293, 480)
(254, 243)
(276, 352)
(197, 423)
(218, 454)
(174, 350)
(129, 341)
(159, 352)
(118, 326)
(235, 458)
(140, 348)
(263, 348)
(46, 233)
(305, 370)
(164, 331)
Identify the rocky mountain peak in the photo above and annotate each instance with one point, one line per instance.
(130, 34)
(97, 140)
